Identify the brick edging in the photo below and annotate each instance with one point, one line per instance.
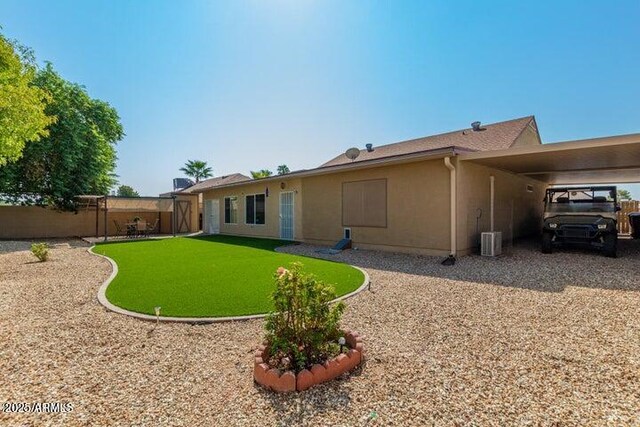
(102, 298)
(273, 379)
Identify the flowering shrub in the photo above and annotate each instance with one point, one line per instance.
(40, 250)
(304, 329)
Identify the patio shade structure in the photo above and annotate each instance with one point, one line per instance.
(609, 160)
(108, 204)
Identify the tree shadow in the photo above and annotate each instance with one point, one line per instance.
(295, 408)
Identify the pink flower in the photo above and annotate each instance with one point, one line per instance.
(281, 271)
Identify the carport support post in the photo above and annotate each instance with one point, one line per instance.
(492, 180)
(173, 216)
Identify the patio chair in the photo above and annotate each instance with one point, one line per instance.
(118, 228)
(141, 228)
(152, 229)
(120, 231)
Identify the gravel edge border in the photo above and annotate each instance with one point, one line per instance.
(102, 298)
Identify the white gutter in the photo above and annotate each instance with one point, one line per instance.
(453, 195)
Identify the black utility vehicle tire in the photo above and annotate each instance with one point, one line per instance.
(547, 243)
(610, 247)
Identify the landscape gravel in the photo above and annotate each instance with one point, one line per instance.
(523, 339)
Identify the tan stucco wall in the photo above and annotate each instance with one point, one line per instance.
(271, 228)
(518, 213)
(26, 222)
(417, 208)
(32, 222)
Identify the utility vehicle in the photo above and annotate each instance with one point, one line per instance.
(581, 215)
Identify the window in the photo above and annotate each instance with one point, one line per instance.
(364, 203)
(255, 209)
(231, 210)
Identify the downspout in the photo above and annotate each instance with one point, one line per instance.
(453, 195)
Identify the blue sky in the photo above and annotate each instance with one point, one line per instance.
(247, 85)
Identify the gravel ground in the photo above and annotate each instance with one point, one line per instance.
(525, 339)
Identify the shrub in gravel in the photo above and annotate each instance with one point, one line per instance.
(41, 251)
(304, 328)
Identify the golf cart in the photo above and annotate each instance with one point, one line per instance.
(581, 215)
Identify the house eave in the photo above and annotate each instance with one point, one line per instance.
(365, 164)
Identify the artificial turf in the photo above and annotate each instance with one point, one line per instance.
(210, 276)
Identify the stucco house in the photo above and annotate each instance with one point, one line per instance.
(411, 196)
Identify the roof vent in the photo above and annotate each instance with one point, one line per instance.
(369, 147)
(476, 126)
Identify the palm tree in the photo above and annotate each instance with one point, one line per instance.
(262, 173)
(283, 170)
(197, 169)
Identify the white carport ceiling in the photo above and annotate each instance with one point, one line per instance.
(614, 159)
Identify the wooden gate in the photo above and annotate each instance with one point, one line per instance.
(627, 207)
(183, 216)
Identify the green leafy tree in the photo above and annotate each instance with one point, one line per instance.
(77, 157)
(22, 105)
(283, 170)
(197, 169)
(262, 173)
(127, 191)
(624, 195)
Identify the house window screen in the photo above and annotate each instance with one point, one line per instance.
(260, 209)
(231, 210)
(364, 203)
(255, 209)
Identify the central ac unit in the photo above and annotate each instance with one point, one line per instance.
(491, 243)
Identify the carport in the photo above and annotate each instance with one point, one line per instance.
(610, 160)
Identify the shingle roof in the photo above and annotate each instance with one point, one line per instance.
(496, 136)
(215, 182)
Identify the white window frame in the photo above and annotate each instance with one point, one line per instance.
(254, 209)
(224, 209)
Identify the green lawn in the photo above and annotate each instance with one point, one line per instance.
(208, 276)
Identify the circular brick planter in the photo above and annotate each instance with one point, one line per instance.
(273, 379)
